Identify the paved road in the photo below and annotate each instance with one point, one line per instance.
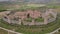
(10, 30)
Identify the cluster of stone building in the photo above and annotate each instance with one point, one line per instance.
(17, 17)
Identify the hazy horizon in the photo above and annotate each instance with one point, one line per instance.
(3, 0)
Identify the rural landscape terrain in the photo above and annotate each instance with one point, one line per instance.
(29, 16)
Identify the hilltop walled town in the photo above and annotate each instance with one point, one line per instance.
(29, 17)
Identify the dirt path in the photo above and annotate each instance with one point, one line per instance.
(54, 31)
(10, 30)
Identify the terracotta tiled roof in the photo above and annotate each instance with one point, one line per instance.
(33, 14)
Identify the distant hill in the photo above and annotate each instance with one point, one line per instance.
(37, 1)
(31, 1)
